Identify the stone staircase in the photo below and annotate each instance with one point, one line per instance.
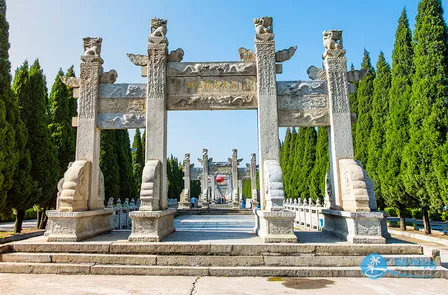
(210, 259)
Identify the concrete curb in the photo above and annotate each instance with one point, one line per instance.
(419, 237)
(19, 237)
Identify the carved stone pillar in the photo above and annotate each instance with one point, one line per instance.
(81, 212)
(253, 180)
(204, 181)
(235, 194)
(273, 223)
(185, 195)
(153, 221)
(349, 191)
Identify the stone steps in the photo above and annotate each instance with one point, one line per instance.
(192, 260)
(207, 259)
(240, 249)
(259, 271)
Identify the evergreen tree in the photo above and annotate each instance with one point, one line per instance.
(284, 158)
(175, 178)
(124, 160)
(9, 155)
(25, 191)
(321, 166)
(307, 163)
(45, 167)
(379, 115)
(428, 116)
(109, 165)
(299, 148)
(364, 96)
(389, 168)
(60, 125)
(138, 160)
(353, 99)
(247, 189)
(289, 165)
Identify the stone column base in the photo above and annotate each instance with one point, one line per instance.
(77, 226)
(356, 227)
(205, 205)
(236, 205)
(185, 205)
(151, 226)
(275, 226)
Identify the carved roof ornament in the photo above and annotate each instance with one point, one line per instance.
(92, 49)
(158, 31)
(138, 59)
(246, 54)
(71, 82)
(176, 55)
(315, 73)
(109, 77)
(356, 75)
(264, 29)
(285, 54)
(333, 43)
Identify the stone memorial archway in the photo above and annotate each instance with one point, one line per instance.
(247, 84)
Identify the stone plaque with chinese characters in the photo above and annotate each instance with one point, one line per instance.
(211, 86)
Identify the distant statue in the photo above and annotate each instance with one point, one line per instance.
(332, 39)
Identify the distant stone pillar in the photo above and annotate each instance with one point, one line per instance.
(185, 195)
(153, 222)
(213, 189)
(204, 182)
(235, 195)
(253, 180)
(240, 189)
(272, 224)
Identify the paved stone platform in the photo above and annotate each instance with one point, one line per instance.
(15, 284)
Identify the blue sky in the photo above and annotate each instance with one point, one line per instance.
(52, 30)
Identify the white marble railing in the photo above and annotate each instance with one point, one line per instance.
(308, 214)
(120, 218)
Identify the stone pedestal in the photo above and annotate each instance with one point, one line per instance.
(275, 226)
(356, 227)
(77, 226)
(151, 226)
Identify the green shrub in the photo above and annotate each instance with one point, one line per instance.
(435, 215)
(445, 216)
(30, 214)
(417, 214)
(391, 211)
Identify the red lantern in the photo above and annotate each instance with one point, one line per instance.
(219, 179)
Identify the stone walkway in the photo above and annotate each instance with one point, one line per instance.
(15, 284)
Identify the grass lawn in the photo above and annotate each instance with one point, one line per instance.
(5, 234)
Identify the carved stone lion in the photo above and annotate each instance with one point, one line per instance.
(263, 28)
(92, 46)
(158, 27)
(332, 39)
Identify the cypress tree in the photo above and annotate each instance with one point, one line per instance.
(353, 99)
(389, 168)
(60, 126)
(9, 154)
(124, 160)
(299, 148)
(289, 163)
(175, 178)
(284, 157)
(25, 191)
(109, 164)
(138, 160)
(364, 95)
(428, 116)
(321, 166)
(379, 115)
(45, 167)
(308, 161)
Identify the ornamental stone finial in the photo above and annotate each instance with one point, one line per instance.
(333, 43)
(158, 31)
(264, 29)
(92, 49)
